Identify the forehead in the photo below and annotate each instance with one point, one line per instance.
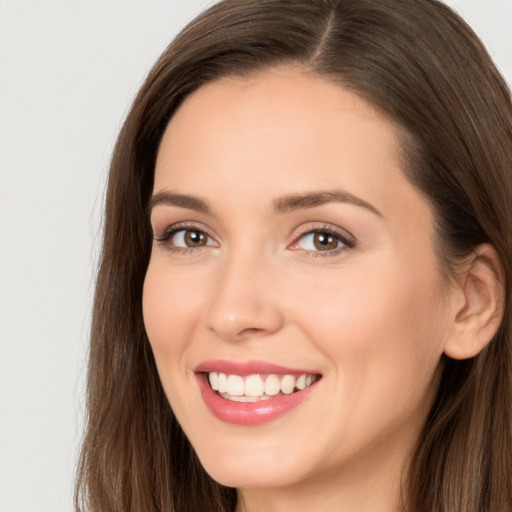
(279, 132)
(277, 109)
(290, 93)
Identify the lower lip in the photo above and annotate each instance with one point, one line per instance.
(250, 413)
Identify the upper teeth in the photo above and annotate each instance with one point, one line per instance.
(258, 385)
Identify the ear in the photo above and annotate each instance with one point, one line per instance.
(479, 304)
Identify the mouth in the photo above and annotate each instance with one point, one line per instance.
(253, 393)
(258, 387)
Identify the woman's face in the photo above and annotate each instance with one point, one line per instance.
(292, 262)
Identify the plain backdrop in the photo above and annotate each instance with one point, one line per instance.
(68, 72)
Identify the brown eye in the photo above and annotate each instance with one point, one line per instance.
(188, 239)
(324, 241)
(195, 238)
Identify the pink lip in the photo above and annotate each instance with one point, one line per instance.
(249, 413)
(249, 368)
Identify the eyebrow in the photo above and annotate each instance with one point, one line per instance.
(281, 205)
(180, 200)
(294, 202)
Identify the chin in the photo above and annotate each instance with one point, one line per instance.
(261, 467)
(249, 476)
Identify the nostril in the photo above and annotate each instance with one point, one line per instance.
(251, 331)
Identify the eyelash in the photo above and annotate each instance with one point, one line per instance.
(164, 238)
(346, 239)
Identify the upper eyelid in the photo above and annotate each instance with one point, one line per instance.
(323, 226)
(184, 225)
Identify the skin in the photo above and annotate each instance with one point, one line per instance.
(373, 319)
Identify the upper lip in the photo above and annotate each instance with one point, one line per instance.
(249, 368)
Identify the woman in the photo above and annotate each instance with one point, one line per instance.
(304, 295)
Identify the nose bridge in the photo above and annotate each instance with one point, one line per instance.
(243, 304)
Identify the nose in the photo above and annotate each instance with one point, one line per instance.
(244, 303)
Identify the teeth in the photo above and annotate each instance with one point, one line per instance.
(223, 383)
(246, 398)
(235, 385)
(272, 385)
(288, 384)
(256, 387)
(214, 380)
(301, 382)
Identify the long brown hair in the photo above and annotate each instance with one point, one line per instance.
(422, 66)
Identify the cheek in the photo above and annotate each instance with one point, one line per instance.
(383, 333)
(170, 310)
(169, 306)
(372, 308)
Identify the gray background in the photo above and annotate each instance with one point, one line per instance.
(68, 71)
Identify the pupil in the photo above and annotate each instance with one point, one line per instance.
(194, 238)
(325, 241)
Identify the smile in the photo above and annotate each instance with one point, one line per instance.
(253, 388)
(253, 393)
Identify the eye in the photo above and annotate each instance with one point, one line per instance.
(323, 241)
(319, 241)
(190, 238)
(180, 238)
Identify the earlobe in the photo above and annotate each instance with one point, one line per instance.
(478, 315)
